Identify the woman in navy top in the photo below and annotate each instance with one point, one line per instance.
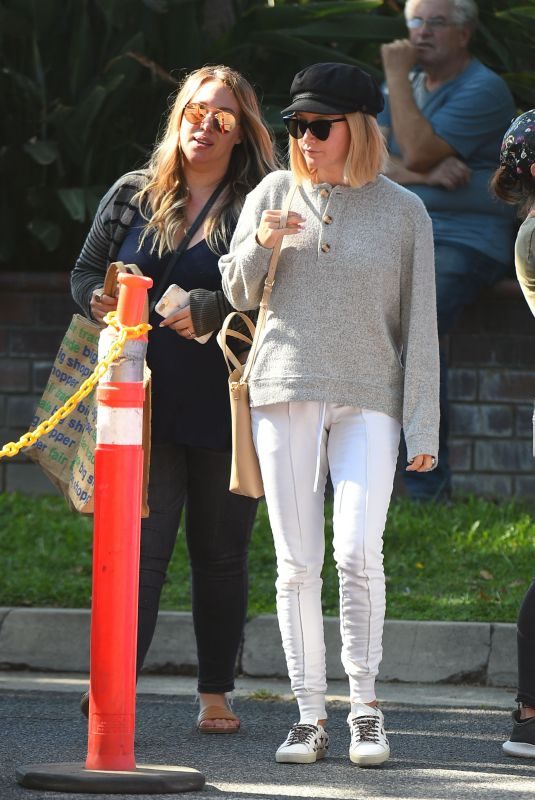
(215, 134)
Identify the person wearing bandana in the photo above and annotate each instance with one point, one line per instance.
(514, 182)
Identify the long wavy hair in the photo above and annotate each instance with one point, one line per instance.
(366, 156)
(163, 200)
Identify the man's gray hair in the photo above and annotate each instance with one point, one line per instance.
(463, 12)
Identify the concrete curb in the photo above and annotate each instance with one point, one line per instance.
(413, 652)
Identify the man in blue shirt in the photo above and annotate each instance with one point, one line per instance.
(444, 119)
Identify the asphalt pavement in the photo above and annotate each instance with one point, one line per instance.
(445, 740)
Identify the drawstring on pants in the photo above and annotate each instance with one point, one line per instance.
(321, 424)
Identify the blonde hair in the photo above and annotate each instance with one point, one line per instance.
(366, 156)
(166, 194)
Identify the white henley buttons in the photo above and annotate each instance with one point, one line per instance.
(324, 193)
(325, 247)
(327, 219)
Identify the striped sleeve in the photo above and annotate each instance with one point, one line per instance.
(111, 223)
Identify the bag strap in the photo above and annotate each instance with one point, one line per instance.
(268, 287)
(230, 359)
(110, 284)
(188, 236)
(110, 281)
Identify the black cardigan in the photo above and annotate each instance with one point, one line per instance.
(114, 216)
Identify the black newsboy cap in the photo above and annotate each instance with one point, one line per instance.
(331, 88)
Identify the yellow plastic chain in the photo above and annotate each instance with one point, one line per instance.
(125, 332)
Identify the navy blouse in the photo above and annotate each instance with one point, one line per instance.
(190, 402)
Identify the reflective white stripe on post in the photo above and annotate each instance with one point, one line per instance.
(119, 425)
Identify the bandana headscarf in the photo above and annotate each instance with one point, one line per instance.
(518, 146)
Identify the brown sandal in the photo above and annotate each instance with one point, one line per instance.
(216, 712)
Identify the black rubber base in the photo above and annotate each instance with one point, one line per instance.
(145, 779)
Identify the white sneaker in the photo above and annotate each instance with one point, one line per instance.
(369, 744)
(304, 744)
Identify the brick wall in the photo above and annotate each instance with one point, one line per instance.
(492, 386)
(492, 382)
(35, 310)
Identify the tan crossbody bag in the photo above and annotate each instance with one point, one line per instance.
(245, 474)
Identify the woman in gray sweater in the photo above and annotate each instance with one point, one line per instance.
(349, 355)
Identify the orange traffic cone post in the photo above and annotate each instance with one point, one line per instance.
(117, 520)
(110, 764)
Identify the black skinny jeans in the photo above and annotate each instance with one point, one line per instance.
(526, 649)
(218, 530)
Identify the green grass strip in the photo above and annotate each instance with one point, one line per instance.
(471, 560)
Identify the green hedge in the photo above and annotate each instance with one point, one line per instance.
(84, 83)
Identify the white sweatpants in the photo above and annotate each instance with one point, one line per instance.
(298, 443)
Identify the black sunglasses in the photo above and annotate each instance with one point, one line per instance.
(320, 128)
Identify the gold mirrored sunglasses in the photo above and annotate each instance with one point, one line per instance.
(223, 121)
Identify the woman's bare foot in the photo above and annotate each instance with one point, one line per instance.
(227, 723)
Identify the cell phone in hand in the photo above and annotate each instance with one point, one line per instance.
(173, 299)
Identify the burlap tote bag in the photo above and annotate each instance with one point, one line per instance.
(66, 453)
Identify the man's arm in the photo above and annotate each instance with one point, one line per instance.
(421, 148)
(449, 173)
(398, 172)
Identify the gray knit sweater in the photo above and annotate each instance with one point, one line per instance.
(352, 317)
